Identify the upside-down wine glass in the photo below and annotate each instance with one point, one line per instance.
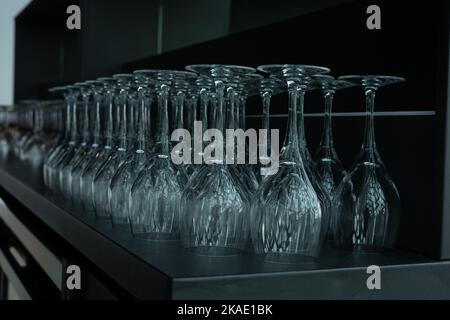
(121, 183)
(366, 206)
(91, 136)
(118, 155)
(329, 168)
(155, 195)
(287, 214)
(215, 204)
(106, 144)
(54, 154)
(84, 143)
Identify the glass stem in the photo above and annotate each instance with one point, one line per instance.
(193, 111)
(131, 120)
(369, 135)
(68, 129)
(301, 123)
(163, 129)
(204, 114)
(74, 133)
(242, 102)
(122, 120)
(266, 97)
(180, 97)
(141, 139)
(218, 114)
(86, 135)
(110, 118)
(204, 107)
(174, 105)
(237, 113)
(230, 112)
(327, 135)
(97, 129)
(291, 145)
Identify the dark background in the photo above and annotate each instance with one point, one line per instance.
(122, 36)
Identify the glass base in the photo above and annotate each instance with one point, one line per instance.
(286, 258)
(213, 251)
(156, 236)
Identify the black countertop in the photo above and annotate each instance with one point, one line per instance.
(149, 269)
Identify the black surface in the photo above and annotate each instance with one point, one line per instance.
(158, 270)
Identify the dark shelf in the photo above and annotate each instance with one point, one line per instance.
(164, 270)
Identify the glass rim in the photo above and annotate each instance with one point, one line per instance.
(380, 80)
(328, 82)
(207, 68)
(156, 72)
(305, 69)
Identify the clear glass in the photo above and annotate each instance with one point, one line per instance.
(287, 216)
(27, 123)
(60, 140)
(366, 204)
(237, 97)
(118, 154)
(215, 216)
(92, 99)
(35, 148)
(267, 88)
(121, 183)
(81, 117)
(155, 195)
(106, 142)
(329, 168)
(201, 90)
(67, 153)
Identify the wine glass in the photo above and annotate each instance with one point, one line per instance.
(121, 183)
(54, 154)
(267, 88)
(287, 214)
(28, 118)
(244, 86)
(118, 155)
(329, 168)
(155, 195)
(91, 136)
(201, 90)
(71, 94)
(106, 96)
(366, 204)
(215, 204)
(84, 143)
